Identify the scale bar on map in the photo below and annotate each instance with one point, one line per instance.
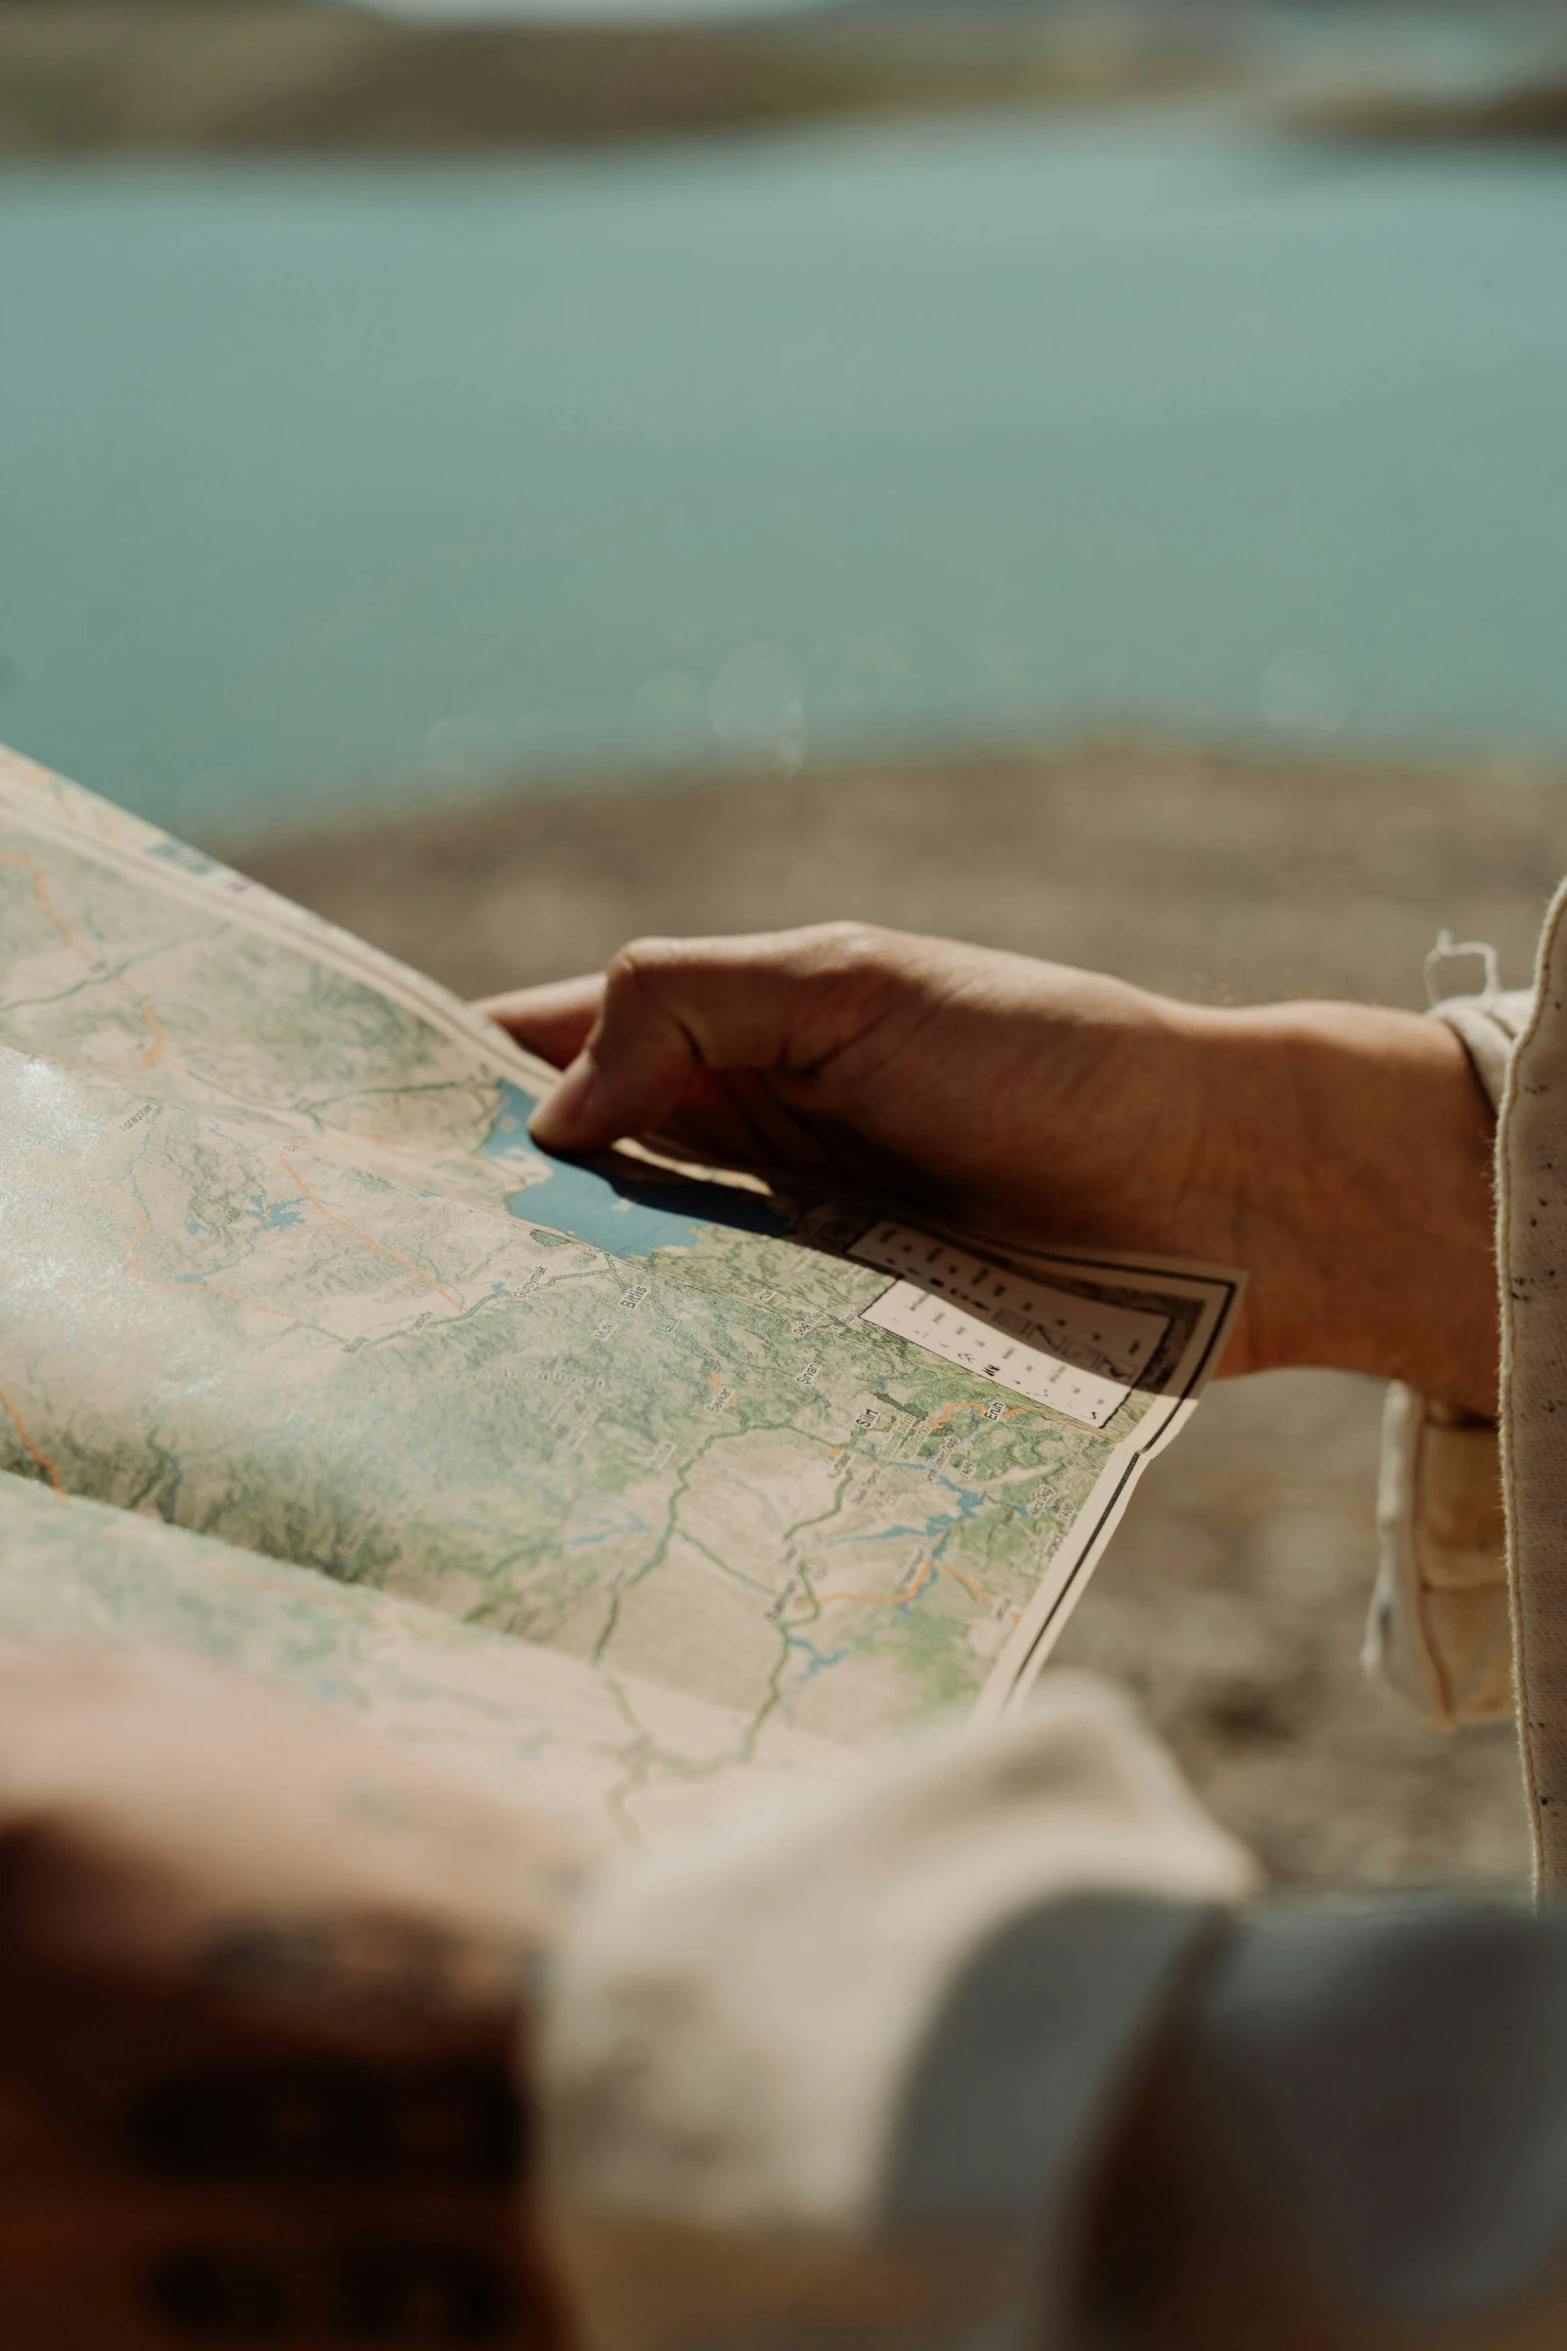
(1077, 1355)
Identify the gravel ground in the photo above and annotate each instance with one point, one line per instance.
(1233, 1598)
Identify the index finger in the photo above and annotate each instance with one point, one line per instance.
(553, 1020)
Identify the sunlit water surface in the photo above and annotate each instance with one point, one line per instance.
(329, 488)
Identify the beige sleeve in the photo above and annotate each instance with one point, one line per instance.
(844, 2073)
(1532, 1255)
(976, 2050)
(1439, 1628)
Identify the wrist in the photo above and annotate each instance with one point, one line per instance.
(1359, 1188)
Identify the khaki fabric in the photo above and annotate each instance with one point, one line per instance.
(1440, 1626)
(1440, 1629)
(1490, 1027)
(1471, 1600)
(1532, 1254)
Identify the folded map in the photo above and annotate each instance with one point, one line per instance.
(624, 1485)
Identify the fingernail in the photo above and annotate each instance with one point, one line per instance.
(565, 1116)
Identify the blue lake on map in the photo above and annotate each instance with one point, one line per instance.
(620, 1214)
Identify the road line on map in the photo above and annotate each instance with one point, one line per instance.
(354, 1233)
(42, 1459)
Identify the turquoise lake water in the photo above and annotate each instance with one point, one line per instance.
(325, 487)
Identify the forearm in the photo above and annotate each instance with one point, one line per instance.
(1341, 1153)
(1360, 1172)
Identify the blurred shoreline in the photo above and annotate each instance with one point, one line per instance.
(259, 77)
(321, 77)
(1208, 871)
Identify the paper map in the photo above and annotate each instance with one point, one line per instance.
(283, 1268)
(1082, 1356)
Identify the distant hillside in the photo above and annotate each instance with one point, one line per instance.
(264, 76)
(1532, 114)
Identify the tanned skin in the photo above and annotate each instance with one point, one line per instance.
(1342, 1154)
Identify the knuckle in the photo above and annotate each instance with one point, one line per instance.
(847, 936)
(849, 948)
(642, 961)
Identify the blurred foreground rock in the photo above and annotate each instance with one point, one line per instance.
(1233, 1599)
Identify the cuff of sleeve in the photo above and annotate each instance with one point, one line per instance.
(1440, 1630)
(1488, 1027)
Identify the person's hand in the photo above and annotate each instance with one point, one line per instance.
(1339, 1153)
